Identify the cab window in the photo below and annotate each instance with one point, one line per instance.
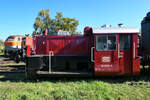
(125, 42)
(106, 43)
(10, 39)
(19, 39)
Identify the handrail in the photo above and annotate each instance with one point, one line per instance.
(51, 53)
(92, 54)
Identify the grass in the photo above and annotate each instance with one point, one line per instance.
(72, 90)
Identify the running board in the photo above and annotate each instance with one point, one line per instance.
(65, 73)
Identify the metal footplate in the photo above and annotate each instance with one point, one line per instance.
(65, 73)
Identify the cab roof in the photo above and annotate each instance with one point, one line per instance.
(107, 30)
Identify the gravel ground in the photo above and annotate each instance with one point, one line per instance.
(8, 65)
(9, 70)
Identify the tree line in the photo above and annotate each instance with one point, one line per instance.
(43, 21)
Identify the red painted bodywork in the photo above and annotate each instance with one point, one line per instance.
(28, 51)
(63, 45)
(135, 58)
(106, 68)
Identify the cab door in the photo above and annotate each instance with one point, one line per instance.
(125, 55)
(106, 54)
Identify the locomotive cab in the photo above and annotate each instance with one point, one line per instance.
(115, 51)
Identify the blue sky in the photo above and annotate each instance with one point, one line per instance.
(18, 16)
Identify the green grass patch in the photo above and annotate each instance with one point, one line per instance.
(72, 90)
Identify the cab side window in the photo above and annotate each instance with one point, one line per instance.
(101, 43)
(106, 43)
(125, 42)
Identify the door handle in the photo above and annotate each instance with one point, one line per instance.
(92, 54)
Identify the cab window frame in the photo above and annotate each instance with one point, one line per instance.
(107, 48)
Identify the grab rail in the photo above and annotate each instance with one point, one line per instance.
(92, 54)
(51, 53)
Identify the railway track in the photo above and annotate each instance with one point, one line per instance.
(9, 66)
(11, 69)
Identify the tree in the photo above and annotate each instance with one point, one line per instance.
(65, 23)
(43, 22)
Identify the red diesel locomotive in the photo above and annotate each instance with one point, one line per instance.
(100, 51)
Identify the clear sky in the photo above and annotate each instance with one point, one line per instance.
(18, 16)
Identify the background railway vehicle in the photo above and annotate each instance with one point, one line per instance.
(12, 44)
(21, 53)
(100, 51)
(145, 38)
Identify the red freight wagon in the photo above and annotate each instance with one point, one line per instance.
(100, 51)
